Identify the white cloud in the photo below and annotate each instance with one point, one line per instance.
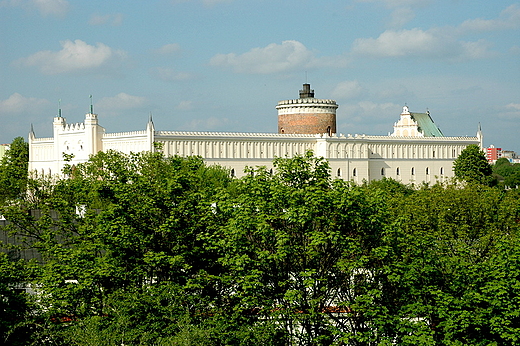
(17, 104)
(348, 90)
(274, 58)
(508, 19)
(121, 101)
(52, 7)
(513, 106)
(45, 7)
(439, 43)
(73, 56)
(185, 105)
(207, 124)
(111, 19)
(432, 43)
(169, 49)
(511, 111)
(401, 16)
(377, 110)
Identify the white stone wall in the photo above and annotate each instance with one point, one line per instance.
(351, 157)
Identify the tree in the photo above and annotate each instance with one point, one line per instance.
(122, 226)
(141, 249)
(508, 174)
(448, 245)
(472, 166)
(13, 170)
(302, 251)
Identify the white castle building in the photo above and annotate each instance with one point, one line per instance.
(415, 152)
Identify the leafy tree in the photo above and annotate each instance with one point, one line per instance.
(509, 174)
(122, 225)
(141, 249)
(447, 242)
(15, 304)
(302, 250)
(13, 170)
(472, 166)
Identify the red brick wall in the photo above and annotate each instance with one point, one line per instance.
(306, 123)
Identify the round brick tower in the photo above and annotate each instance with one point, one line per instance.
(307, 115)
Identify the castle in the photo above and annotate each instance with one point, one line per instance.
(415, 152)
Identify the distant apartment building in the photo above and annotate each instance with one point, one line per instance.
(493, 153)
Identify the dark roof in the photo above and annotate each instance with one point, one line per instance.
(426, 124)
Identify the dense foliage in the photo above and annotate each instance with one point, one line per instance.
(508, 173)
(472, 166)
(13, 170)
(145, 250)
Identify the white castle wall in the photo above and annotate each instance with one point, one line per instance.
(351, 157)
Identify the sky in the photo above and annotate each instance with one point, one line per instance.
(223, 65)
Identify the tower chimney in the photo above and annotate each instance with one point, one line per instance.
(306, 92)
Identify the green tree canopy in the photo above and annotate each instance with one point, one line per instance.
(472, 166)
(143, 249)
(508, 173)
(13, 170)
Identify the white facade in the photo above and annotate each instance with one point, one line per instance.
(413, 158)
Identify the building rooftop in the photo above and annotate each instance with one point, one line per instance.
(426, 124)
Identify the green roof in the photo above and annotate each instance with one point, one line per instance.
(426, 124)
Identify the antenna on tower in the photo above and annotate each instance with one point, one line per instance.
(59, 108)
(91, 105)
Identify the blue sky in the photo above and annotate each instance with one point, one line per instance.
(222, 65)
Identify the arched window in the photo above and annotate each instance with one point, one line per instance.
(339, 172)
(328, 130)
(427, 170)
(354, 172)
(383, 171)
(397, 171)
(232, 172)
(413, 170)
(442, 170)
(271, 171)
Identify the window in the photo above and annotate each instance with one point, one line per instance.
(413, 170)
(383, 171)
(232, 172)
(427, 170)
(397, 171)
(442, 170)
(339, 172)
(354, 172)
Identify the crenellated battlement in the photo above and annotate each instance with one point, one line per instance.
(73, 127)
(124, 134)
(308, 101)
(48, 139)
(233, 134)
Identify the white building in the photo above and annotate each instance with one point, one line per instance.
(415, 152)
